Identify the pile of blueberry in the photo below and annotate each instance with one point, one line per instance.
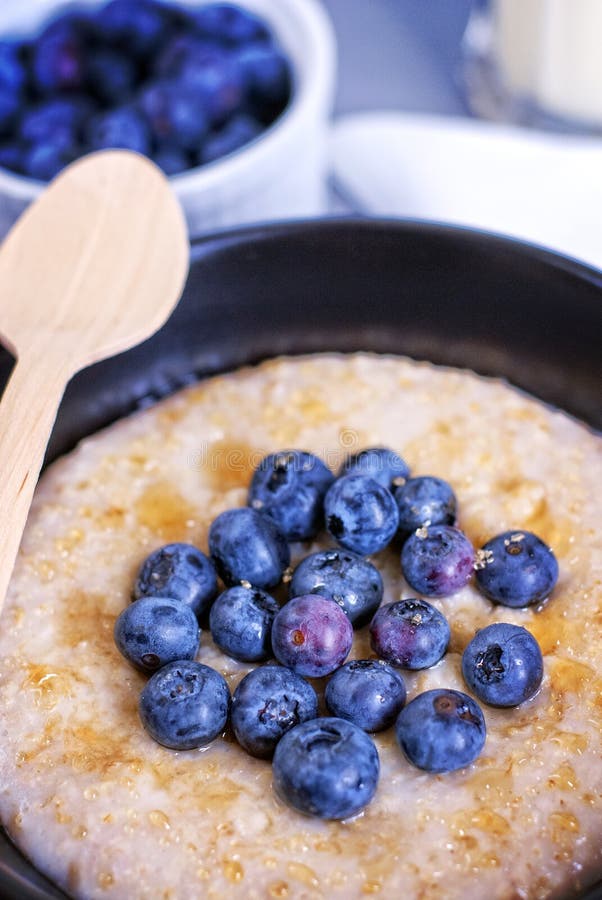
(329, 766)
(184, 85)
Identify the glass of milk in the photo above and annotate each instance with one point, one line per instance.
(536, 62)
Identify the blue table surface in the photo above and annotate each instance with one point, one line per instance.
(399, 54)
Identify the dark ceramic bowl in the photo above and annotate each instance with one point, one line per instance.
(444, 294)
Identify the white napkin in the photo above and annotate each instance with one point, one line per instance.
(540, 187)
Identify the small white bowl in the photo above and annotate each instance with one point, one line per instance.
(280, 175)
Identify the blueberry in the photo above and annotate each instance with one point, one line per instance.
(441, 730)
(229, 23)
(290, 486)
(121, 127)
(44, 161)
(171, 159)
(58, 62)
(367, 692)
(503, 665)
(111, 76)
(11, 157)
(327, 768)
(9, 109)
(424, 501)
(246, 546)
(238, 132)
(266, 74)
(516, 569)
(312, 636)
(13, 76)
(349, 579)
(183, 49)
(380, 463)
(61, 118)
(139, 26)
(241, 623)
(176, 113)
(217, 86)
(361, 514)
(267, 703)
(180, 571)
(437, 561)
(410, 634)
(185, 705)
(154, 631)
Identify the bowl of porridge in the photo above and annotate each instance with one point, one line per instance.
(473, 357)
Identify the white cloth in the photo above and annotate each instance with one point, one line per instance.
(533, 185)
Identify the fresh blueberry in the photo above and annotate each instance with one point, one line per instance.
(58, 62)
(241, 623)
(246, 546)
(61, 118)
(180, 571)
(380, 463)
(441, 730)
(437, 561)
(11, 157)
(290, 486)
(361, 514)
(266, 73)
(516, 569)
(75, 23)
(367, 692)
(229, 23)
(410, 634)
(185, 705)
(139, 26)
(44, 161)
(154, 631)
(424, 501)
(503, 665)
(327, 768)
(183, 49)
(218, 86)
(12, 71)
(312, 636)
(111, 76)
(235, 134)
(121, 127)
(349, 579)
(171, 159)
(267, 703)
(176, 113)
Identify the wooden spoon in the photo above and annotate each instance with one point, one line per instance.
(92, 268)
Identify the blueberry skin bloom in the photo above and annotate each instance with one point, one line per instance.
(185, 705)
(154, 631)
(290, 486)
(503, 665)
(516, 569)
(180, 571)
(312, 636)
(347, 578)
(441, 730)
(361, 514)
(380, 463)
(437, 561)
(241, 623)
(267, 703)
(424, 500)
(246, 546)
(327, 768)
(367, 692)
(410, 634)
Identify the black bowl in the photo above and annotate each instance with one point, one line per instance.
(444, 294)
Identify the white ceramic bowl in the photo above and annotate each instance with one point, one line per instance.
(280, 175)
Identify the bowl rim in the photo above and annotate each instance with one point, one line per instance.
(316, 34)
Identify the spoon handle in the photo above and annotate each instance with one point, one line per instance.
(27, 413)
